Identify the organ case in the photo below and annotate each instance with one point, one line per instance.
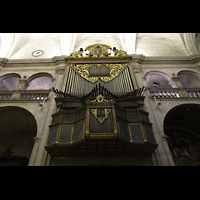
(100, 109)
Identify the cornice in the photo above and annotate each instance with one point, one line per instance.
(171, 60)
(98, 59)
(134, 58)
(26, 63)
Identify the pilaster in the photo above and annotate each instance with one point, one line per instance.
(34, 151)
(182, 91)
(162, 155)
(42, 158)
(22, 85)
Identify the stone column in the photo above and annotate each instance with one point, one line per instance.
(17, 93)
(34, 151)
(41, 156)
(162, 155)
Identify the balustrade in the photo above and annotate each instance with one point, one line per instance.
(34, 95)
(164, 92)
(5, 95)
(193, 92)
(38, 95)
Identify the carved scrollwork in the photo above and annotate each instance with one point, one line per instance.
(119, 53)
(77, 54)
(101, 119)
(115, 70)
(83, 71)
(99, 50)
(183, 153)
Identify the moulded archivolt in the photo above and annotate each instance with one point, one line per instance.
(160, 76)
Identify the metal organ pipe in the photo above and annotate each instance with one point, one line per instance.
(129, 80)
(79, 86)
(68, 81)
(126, 80)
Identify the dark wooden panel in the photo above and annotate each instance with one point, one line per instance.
(96, 127)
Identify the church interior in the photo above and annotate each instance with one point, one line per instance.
(99, 99)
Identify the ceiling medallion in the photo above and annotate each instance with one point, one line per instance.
(37, 53)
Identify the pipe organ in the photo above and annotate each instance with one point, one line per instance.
(100, 108)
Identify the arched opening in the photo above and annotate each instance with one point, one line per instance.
(157, 79)
(189, 79)
(40, 81)
(18, 129)
(181, 125)
(9, 81)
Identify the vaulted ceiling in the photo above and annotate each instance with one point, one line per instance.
(22, 45)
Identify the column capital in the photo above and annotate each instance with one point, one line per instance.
(36, 139)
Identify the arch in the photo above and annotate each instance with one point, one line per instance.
(9, 81)
(181, 125)
(159, 77)
(18, 129)
(189, 78)
(40, 81)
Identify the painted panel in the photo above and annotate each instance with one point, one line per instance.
(149, 134)
(123, 131)
(78, 132)
(65, 134)
(136, 133)
(52, 136)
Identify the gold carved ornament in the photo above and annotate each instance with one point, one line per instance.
(77, 54)
(100, 98)
(83, 71)
(101, 119)
(99, 50)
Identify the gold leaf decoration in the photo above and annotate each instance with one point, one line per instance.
(101, 119)
(83, 71)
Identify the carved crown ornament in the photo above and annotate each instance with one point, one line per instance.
(99, 51)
